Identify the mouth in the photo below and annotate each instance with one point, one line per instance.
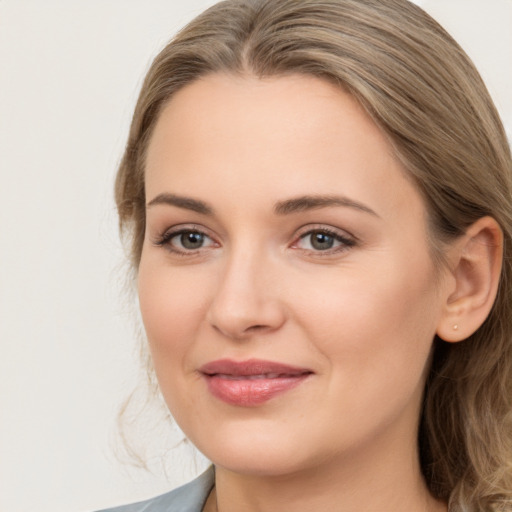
(251, 383)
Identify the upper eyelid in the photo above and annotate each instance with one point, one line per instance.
(163, 237)
(308, 228)
(346, 240)
(180, 228)
(164, 241)
(300, 232)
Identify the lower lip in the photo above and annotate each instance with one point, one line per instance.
(251, 392)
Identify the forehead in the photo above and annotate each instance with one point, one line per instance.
(279, 137)
(276, 110)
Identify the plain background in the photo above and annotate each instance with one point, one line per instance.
(70, 71)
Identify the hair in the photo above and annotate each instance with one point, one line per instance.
(426, 96)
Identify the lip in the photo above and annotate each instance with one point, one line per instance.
(252, 382)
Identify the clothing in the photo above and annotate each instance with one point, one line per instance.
(190, 497)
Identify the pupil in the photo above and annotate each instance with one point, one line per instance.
(192, 240)
(321, 241)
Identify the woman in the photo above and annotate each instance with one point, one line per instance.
(318, 198)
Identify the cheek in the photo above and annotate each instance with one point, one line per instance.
(374, 317)
(171, 310)
(375, 334)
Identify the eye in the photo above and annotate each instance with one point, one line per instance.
(185, 241)
(189, 240)
(324, 240)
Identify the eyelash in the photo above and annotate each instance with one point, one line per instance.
(346, 242)
(165, 239)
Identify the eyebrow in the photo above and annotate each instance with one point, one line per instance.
(182, 202)
(304, 203)
(290, 206)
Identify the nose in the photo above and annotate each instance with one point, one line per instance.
(247, 301)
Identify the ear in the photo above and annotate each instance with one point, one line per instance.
(475, 263)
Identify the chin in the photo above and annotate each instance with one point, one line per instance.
(258, 451)
(256, 463)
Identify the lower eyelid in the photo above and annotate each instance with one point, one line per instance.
(342, 242)
(164, 239)
(166, 242)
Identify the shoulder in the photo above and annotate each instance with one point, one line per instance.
(188, 498)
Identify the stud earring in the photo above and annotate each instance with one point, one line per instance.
(455, 327)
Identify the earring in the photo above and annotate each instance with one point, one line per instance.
(455, 327)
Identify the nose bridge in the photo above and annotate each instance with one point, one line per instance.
(246, 301)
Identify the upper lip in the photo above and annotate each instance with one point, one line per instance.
(251, 367)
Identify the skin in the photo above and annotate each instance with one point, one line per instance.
(361, 315)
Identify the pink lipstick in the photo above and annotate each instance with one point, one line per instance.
(252, 382)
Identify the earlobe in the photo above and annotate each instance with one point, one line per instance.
(476, 261)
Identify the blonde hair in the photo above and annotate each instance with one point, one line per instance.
(425, 94)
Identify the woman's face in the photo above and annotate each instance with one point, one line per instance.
(285, 283)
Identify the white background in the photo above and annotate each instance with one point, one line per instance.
(70, 71)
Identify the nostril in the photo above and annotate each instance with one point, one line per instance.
(256, 328)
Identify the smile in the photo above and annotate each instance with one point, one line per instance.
(251, 383)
